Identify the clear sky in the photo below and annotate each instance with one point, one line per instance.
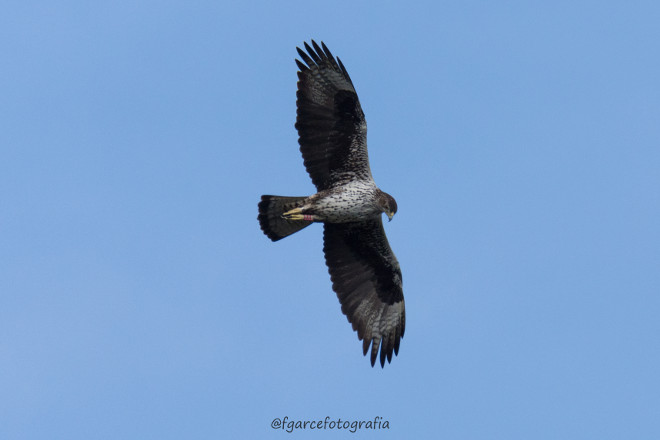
(140, 300)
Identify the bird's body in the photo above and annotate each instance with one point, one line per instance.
(351, 202)
(332, 132)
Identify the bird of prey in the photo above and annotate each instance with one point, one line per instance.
(364, 272)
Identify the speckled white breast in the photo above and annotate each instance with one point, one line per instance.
(355, 201)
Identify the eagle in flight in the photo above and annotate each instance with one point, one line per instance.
(364, 272)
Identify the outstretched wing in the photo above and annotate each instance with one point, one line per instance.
(331, 126)
(367, 279)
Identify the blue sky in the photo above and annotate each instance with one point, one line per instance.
(139, 298)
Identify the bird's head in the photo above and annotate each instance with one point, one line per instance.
(388, 205)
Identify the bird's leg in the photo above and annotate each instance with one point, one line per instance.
(293, 214)
(296, 214)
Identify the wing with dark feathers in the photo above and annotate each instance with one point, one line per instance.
(367, 279)
(331, 126)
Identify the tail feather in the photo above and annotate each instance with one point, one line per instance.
(270, 218)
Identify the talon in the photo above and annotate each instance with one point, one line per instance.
(295, 217)
(293, 214)
(296, 214)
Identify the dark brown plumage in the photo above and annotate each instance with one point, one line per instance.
(332, 133)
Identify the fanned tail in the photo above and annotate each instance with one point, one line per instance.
(270, 218)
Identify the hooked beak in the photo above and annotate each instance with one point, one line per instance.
(389, 215)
